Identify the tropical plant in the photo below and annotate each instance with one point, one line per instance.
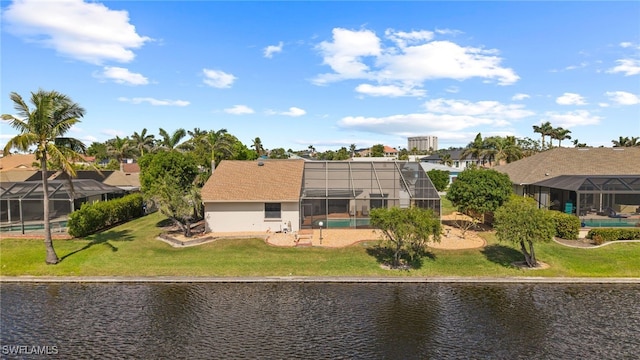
(560, 134)
(142, 142)
(352, 150)
(119, 148)
(503, 149)
(626, 142)
(544, 130)
(439, 178)
(377, 150)
(407, 231)
(257, 146)
(445, 159)
(171, 141)
(521, 221)
(44, 127)
(475, 149)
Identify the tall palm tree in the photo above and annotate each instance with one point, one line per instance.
(626, 141)
(142, 141)
(170, 142)
(504, 149)
(544, 130)
(221, 145)
(352, 150)
(120, 148)
(445, 159)
(476, 149)
(257, 146)
(44, 127)
(560, 134)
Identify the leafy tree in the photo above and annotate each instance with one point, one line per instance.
(44, 127)
(520, 220)
(180, 166)
(407, 231)
(377, 150)
(403, 154)
(439, 178)
(477, 191)
(167, 179)
(578, 144)
(99, 150)
(278, 153)
(503, 149)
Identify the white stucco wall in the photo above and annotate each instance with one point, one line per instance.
(248, 216)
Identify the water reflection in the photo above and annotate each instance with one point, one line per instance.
(361, 321)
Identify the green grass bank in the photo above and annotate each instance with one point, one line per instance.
(133, 250)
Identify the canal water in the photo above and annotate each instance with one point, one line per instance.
(320, 321)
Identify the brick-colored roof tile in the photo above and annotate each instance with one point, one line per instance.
(236, 180)
(573, 161)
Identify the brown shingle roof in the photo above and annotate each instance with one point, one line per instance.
(17, 161)
(573, 161)
(275, 180)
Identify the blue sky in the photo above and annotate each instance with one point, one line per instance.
(330, 74)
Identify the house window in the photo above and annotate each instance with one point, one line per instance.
(272, 210)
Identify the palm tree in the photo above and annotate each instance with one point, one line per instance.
(560, 134)
(626, 142)
(257, 146)
(352, 150)
(170, 142)
(221, 145)
(476, 149)
(142, 141)
(504, 149)
(445, 159)
(544, 130)
(120, 148)
(44, 127)
(578, 144)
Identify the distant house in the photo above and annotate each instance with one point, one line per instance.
(457, 161)
(588, 182)
(388, 152)
(453, 172)
(289, 195)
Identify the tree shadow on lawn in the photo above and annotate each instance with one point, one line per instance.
(384, 256)
(164, 223)
(502, 255)
(104, 238)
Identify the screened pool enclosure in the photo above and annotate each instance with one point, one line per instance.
(23, 202)
(341, 194)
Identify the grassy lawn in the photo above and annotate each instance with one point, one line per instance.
(132, 250)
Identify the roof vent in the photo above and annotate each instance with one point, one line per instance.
(260, 163)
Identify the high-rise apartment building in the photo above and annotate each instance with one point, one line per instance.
(423, 143)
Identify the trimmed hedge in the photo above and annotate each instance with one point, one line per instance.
(567, 225)
(92, 218)
(603, 235)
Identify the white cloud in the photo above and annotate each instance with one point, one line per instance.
(89, 32)
(402, 39)
(571, 118)
(239, 110)
(122, 76)
(623, 97)
(218, 79)
(571, 99)
(604, 105)
(520, 96)
(441, 116)
(154, 102)
(409, 58)
(112, 132)
(627, 66)
(452, 89)
(272, 49)
(293, 112)
(389, 90)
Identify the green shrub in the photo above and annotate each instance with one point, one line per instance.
(602, 235)
(94, 217)
(567, 226)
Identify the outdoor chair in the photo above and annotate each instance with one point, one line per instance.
(614, 214)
